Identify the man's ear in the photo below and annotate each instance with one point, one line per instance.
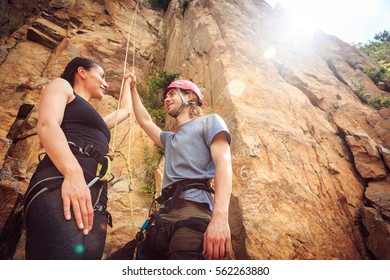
(189, 96)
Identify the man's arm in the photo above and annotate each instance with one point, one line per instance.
(217, 240)
(142, 115)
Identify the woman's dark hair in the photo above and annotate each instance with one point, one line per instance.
(74, 64)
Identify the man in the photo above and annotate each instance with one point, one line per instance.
(197, 152)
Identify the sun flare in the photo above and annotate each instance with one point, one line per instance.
(331, 16)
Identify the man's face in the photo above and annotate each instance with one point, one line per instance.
(172, 101)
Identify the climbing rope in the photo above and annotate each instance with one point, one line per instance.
(112, 151)
(112, 148)
(128, 164)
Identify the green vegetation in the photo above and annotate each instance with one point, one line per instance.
(152, 160)
(379, 51)
(376, 101)
(360, 91)
(358, 87)
(375, 75)
(151, 94)
(379, 102)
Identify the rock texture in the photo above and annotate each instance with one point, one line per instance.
(310, 160)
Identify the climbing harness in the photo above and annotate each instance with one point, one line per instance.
(152, 241)
(170, 197)
(35, 192)
(155, 234)
(103, 174)
(32, 194)
(103, 171)
(153, 238)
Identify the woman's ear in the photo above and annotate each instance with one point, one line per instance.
(81, 72)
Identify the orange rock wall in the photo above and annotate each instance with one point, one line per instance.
(305, 149)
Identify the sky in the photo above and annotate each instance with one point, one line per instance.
(352, 21)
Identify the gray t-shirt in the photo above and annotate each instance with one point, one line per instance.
(188, 156)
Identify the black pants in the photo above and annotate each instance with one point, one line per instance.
(185, 243)
(49, 236)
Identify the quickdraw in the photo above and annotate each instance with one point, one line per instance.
(107, 172)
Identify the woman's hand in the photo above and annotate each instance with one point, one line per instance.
(127, 80)
(118, 116)
(76, 195)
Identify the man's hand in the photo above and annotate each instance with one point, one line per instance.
(217, 240)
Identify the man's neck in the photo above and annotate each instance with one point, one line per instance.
(183, 117)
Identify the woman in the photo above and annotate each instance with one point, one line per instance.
(65, 218)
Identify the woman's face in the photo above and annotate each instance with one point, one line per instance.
(96, 82)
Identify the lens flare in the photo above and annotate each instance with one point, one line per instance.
(236, 87)
(269, 53)
(79, 249)
(345, 19)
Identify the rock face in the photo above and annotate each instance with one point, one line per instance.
(310, 160)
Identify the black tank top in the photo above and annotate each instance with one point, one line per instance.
(81, 121)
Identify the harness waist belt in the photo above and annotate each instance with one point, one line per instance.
(86, 148)
(174, 191)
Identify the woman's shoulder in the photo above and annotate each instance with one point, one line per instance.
(60, 82)
(61, 87)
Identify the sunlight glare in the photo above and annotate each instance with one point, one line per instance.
(269, 53)
(331, 16)
(236, 87)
